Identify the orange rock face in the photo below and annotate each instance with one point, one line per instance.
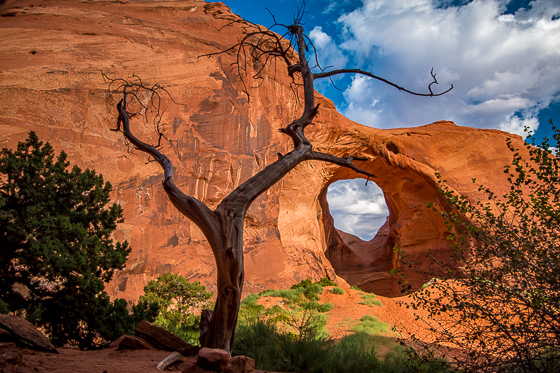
(52, 54)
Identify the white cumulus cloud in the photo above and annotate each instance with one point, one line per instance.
(357, 208)
(505, 67)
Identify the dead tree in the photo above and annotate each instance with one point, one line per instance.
(223, 227)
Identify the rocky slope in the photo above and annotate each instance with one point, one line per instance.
(52, 55)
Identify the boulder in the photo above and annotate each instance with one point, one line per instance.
(131, 342)
(240, 364)
(159, 337)
(25, 331)
(12, 356)
(213, 359)
(116, 342)
(174, 358)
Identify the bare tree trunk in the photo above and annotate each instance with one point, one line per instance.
(217, 329)
(223, 227)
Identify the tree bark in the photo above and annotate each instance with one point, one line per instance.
(223, 227)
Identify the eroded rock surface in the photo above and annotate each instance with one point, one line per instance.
(52, 53)
(25, 331)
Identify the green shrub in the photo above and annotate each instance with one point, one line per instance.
(337, 290)
(371, 325)
(326, 307)
(305, 321)
(250, 299)
(502, 308)
(302, 284)
(369, 300)
(4, 308)
(56, 250)
(260, 341)
(354, 287)
(325, 281)
(312, 292)
(274, 350)
(291, 295)
(296, 293)
(178, 299)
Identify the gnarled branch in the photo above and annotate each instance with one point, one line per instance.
(327, 74)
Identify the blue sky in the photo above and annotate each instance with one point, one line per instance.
(503, 57)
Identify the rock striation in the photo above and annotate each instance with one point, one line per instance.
(52, 56)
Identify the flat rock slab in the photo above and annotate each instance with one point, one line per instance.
(26, 331)
(131, 342)
(160, 337)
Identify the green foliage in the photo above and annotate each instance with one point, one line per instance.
(369, 300)
(294, 339)
(56, 246)
(297, 293)
(354, 287)
(302, 284)
(250, 299)
(4, 308)
(337, 290)
(180, 303)
(325, 281)
(313, 292)
(291, 295)
(371, 325)
(502, 305)
(325, 307)
(301, 318)
(274, 350)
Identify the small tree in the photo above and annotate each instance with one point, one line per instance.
(56, 250)
(223, 227)
(501, 307)
(180, 303)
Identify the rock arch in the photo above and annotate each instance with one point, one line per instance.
(224, 138)
(405, 162)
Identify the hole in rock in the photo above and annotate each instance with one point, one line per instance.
(357, 208)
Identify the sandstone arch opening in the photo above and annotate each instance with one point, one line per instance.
(358, 250)
(358, 208)
(410, 226)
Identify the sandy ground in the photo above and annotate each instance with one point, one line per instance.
(70, 360)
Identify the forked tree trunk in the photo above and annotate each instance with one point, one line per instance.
(223, 227)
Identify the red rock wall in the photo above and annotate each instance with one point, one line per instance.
(52, 54)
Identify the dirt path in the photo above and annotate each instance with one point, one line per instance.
(70, 360)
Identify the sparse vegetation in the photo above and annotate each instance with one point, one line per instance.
(325, 281)
(292, 337)
(180, 303)
(502, 307)
(370, 300)
(371, 325)
(337, 290)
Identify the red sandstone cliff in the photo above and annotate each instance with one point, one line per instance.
(52, 53)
